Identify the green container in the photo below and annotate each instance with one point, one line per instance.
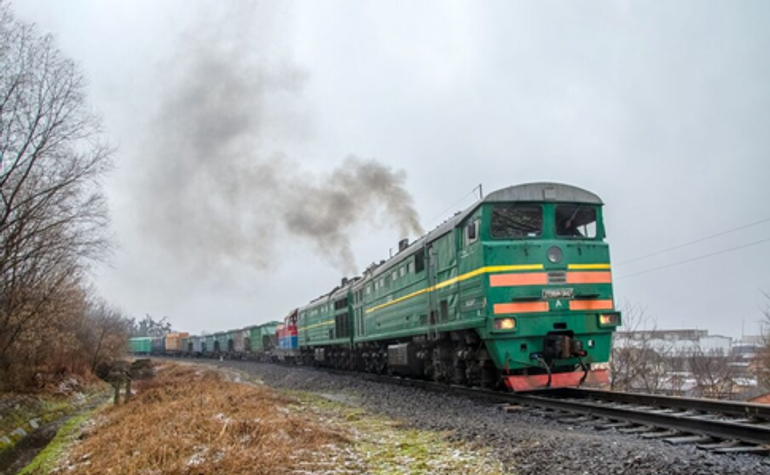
(207, 345)
(140, 345)
(262, 337)
(220, 342)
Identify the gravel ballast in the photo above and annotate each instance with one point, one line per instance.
(526, 443)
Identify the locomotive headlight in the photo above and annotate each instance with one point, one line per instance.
(609, 320)
(505, 324)
(554, 254)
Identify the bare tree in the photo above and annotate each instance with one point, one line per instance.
(713, 372)
(148, 326)
(106, 332)
(762, 362)
(52, 214)
(640, 362)
(629, 349)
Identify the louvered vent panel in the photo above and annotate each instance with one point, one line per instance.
(557, 277)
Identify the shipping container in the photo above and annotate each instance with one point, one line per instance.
(173, 342)
(239, 337)
(195, 344)
(158, 345)
(220, 342)
(185, 344)
(208, 346)
(140, 345)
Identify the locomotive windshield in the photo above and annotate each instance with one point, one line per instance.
(516, 221)
(576, 221)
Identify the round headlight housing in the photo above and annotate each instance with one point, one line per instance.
(554, 254)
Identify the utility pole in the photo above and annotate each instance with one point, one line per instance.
(481, 191)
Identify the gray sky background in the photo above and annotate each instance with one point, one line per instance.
(663, 109)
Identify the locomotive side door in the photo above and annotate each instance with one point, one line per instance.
(430, 257)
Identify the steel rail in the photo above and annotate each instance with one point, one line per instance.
(683, 422)
(687, 422)
(729, 408)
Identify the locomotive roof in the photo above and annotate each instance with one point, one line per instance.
(526, 192)
(544, 191)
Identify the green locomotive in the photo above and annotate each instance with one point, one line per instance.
(517, 288)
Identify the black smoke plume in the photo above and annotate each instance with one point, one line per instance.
(216, 191)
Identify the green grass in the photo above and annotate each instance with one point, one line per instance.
(30, 409)
(47, 459)
(43, 409)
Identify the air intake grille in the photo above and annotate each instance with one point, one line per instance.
(557, 277)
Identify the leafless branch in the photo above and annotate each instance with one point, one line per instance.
(53, 216)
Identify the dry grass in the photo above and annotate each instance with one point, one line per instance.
(192, 421)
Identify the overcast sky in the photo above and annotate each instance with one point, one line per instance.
(661, 108)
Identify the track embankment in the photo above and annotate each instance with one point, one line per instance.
(200, 419)
(524, 441)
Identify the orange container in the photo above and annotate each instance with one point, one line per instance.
(174, 342)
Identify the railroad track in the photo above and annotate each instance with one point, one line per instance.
(718, 426)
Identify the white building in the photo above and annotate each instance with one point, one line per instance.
(675, 342)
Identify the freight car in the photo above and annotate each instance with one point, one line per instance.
(173, 343)
(516, 289)
(262, 341)
(158, 344)
(257, 342)
(140, 346)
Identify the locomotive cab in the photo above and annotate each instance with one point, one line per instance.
(549, 303)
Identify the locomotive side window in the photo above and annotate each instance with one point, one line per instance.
(472, 232)
(419, 261)
(516, 221)
(576, 221)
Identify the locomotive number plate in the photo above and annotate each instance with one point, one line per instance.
(558, 294)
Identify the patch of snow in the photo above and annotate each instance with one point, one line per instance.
(222, 417)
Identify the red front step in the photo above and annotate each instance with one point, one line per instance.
(559, 380)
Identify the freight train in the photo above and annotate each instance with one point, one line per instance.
(516, 290)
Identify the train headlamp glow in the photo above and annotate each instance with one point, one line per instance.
(505, 324)
(609, 319)
(554, 254)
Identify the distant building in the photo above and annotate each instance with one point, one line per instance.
(676, 342)
(669, 335)
(746, 351)
(748, 346)
(755, 340)
(689, 362)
